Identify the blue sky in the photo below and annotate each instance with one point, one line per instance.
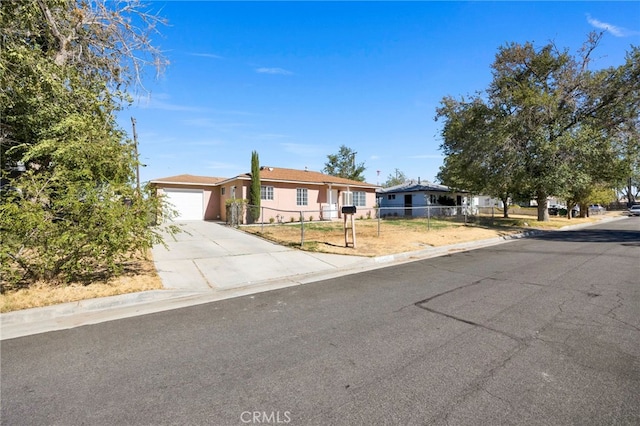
(295, 80)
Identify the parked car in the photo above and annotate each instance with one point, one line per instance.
(596, 209)
(554, 209)
(634, 210)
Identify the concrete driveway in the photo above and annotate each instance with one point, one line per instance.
(212, 256)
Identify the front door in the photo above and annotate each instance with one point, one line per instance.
(332, 201)
(408, 204)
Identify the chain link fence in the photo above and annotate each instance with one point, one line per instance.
(425, 217)
(380, 219)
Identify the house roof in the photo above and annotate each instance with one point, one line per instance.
(189, 180)
(279, 174)
(413, 186)
(269, 174)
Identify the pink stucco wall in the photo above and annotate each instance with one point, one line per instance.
(283, 207)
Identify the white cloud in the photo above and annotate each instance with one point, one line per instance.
(279, 71)
(613, 29)
(160, 101)
(206, 55)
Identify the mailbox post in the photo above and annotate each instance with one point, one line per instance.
(349, 211)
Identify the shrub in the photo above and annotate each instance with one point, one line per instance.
(236, 211)
(75, 233)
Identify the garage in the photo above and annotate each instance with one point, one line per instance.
(188, 203)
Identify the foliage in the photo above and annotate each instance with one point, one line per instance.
(236, 209)
(629, 136)
(254, 189)
(67, 167)
(547, 125)
(478, 154)
(75, 234)
(343, 164)
(395, 179)
(602, 195)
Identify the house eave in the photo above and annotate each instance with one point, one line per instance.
(300, 182)
(165, 182)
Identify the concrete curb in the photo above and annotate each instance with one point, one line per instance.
(92, 311)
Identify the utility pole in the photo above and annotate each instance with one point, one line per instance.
(135, 148)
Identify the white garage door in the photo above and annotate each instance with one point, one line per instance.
(187, 202)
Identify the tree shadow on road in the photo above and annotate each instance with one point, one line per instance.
(626, 237)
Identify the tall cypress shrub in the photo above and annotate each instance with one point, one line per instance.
(254, 190)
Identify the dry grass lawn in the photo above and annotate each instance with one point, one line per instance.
(142, 276)
(399, 235)
(396, 236)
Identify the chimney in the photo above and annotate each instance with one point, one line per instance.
(418, 180)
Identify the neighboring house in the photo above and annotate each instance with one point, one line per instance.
(487, 201)
(285, 193)
(551, 201)
(411, 198)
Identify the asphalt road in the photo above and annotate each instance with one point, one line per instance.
(544, 330)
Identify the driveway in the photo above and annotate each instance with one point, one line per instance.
(212, 256)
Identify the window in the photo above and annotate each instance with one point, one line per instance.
(359, 198)
(391, 197)
(347, 198)
(222, 190)
(301, 197)
(266, 192)
(433, 199)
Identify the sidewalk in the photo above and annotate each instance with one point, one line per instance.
(212, 262)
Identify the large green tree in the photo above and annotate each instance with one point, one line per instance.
(397, 178)
(547, 125)
(343, 164)
(479, 154)
(628, 141)
(69, 207)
